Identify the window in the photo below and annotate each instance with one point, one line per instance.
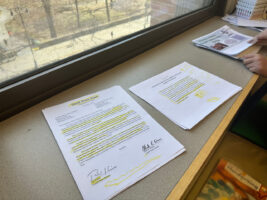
(61, 43)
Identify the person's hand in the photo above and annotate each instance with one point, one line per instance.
(256, 63)
(260, 39)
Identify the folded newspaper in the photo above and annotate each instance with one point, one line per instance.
(225, 41)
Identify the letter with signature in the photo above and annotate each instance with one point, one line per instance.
(109, 141)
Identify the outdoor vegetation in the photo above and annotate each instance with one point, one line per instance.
(35, 33)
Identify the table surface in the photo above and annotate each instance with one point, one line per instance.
(32, 166)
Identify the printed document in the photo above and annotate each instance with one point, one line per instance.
(225, 41)
(185, 93)
(109, 142)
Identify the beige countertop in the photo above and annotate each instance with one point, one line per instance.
(32, 166)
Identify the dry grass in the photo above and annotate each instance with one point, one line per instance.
(64, 14)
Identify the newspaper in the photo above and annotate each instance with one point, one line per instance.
(225, 41)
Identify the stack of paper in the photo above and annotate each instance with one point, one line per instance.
(225, 41)
(251, 9)
(185, 93)
(109, 142)
(238, 21)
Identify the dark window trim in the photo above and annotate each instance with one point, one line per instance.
(31, 90)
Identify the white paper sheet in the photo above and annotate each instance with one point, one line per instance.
(109, 142)
(238, 21)
(185, 93)
(252, 23)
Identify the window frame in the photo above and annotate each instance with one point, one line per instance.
(34, 87)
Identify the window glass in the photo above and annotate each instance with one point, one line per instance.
(35, 33)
